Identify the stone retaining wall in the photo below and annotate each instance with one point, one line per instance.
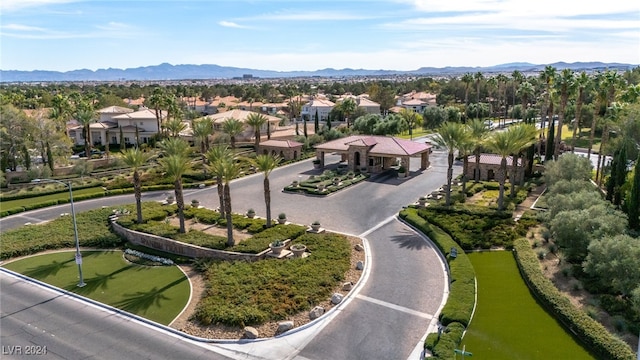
(180, 248)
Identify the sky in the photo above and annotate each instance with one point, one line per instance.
(288, 35)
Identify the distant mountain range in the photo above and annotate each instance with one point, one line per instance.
(200, 72)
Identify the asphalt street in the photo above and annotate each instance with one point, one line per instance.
(403, 285)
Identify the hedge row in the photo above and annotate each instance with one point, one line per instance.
(592, 333)
(49, 203)
(32, 194)
(457, 312)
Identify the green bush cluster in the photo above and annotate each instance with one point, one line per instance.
(247, 293)
(588, 330)
(474, 227)
(310, 186)
(456, 313)
(92, 232)
(260, 241)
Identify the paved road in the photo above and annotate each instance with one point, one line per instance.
(404, 284)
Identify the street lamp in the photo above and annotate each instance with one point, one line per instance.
(81, 283)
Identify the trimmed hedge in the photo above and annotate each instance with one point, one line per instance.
(589, 331)
(457, 312)
(32, 194)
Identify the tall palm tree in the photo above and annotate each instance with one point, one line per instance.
(502, 95)
(215, 155)
(566, 85)
(174, 146)
(613, 81)
(202, 129)
(522, 136)
(525, 91)
(450, 135)
(266, 163)
(467, 79)
(548, 76)
(502, 144)
(227, 169)
(256, 121)
(175, 165)
(478, 77)
(582, 82)
(478, 133)
(232, 127)
(85, 115)
(492, 85)
(466, 147)
(135, 158)
(156, 102)
(516, 78)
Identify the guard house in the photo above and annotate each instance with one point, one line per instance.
(375, 153)
(286, 149)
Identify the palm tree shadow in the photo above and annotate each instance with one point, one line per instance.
(139, 301)
(98, 282)
(407, 239)
(43, 271)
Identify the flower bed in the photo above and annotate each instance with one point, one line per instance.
(152, 258)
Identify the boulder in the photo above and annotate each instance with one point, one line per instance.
(336, 298)
(250, 332)
(359, 247)
(316, 312)
(359, 265)
(284, 326)
(347, 286)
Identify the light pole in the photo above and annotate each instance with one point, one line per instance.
(81, 283)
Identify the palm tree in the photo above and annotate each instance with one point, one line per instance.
(256, 121)
(215, 155)
(478, 78)
(156, 102)
(135, 158)
(227, 169)
(175, 165)
(266, 164)
(450, 135)
(516, 78)
(582, 82)
(613, 81)
(85, 116)
(232, 127)
(478, 133)
(522, 136)
(467, 79)
(348, 108)
(175, 126)
(502, 94)
(492, 85)
(525, 91)
(502, 144)
(202, 129)
(174, 146)
(466, 147)
(548, 76)
(566, 85)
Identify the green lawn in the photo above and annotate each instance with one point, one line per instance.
(158, 293)
(12, 204)
(508, 323)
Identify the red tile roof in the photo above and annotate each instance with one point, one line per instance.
(378, 145)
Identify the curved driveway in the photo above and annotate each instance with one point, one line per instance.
(404, 281)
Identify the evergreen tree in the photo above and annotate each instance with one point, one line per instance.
(316, 123)
(611, 184)
(304, 124)
(50, 159)
(621, 175)
(27, 157)
(329, 122)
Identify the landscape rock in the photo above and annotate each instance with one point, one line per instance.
(359, 265)
(336, 298)
(316, 312)
(347, 286)
(359, 247)
(284, 326)
(250, 332)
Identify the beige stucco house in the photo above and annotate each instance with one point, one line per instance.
(490, 167)
(219, 118)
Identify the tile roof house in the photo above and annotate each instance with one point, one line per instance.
(286, 149)
(375, 153)
(322, 106)
(242, 115)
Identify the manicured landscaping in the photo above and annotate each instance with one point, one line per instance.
(158, 293)
(50, 199)
(508, 322)
(328, 182)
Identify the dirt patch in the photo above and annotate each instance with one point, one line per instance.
(185, 324)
